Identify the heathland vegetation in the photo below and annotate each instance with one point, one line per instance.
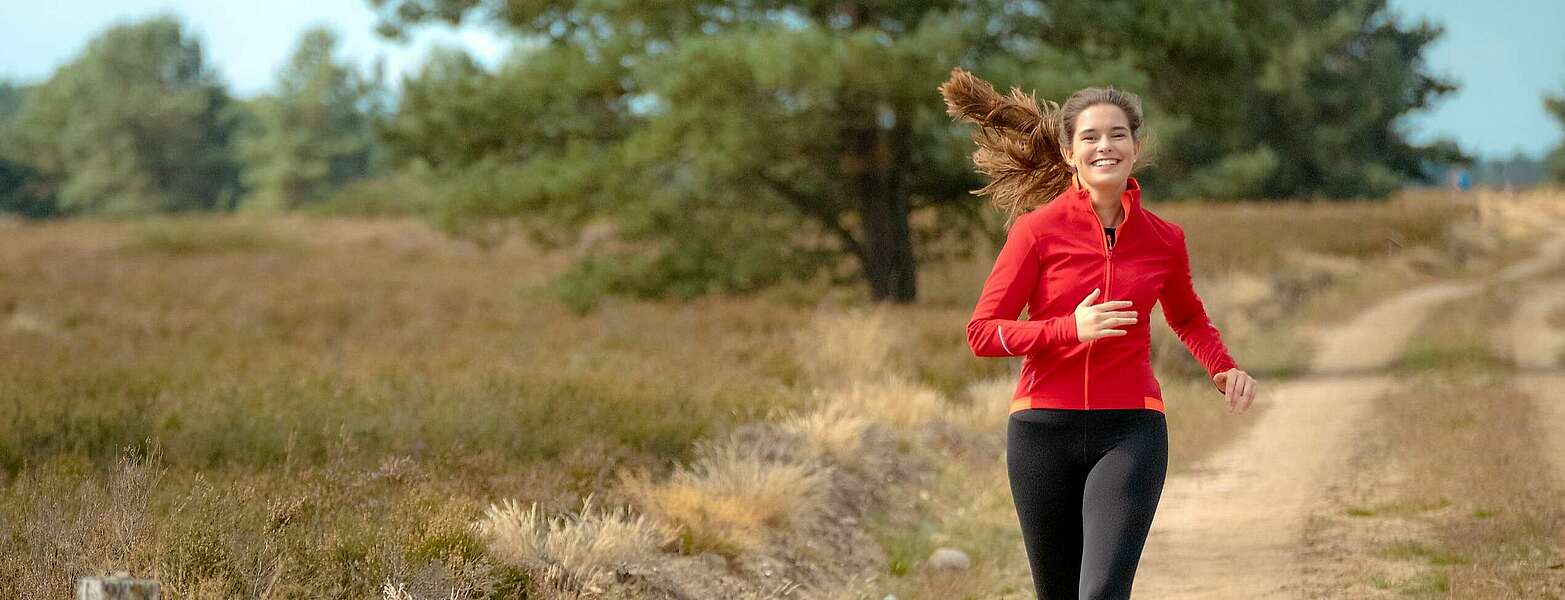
(670, 303)
(262, 406)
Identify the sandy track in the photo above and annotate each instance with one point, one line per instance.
(1232, 527)
(1369, 343)
(1537, 347)
(1548, 255)
(1535, 344)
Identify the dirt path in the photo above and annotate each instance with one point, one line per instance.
(1231, 528)
(1537, 346)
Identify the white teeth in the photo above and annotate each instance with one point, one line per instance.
(1105, 162)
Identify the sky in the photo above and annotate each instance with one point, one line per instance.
(247, 41)
(1505, 54)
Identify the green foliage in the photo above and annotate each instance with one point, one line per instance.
(731, 150)
(391, 193)
(750, 257)
(22, 189)
(702, 130)
(314, 135)
(1235, 175)
(1317, 86)
(10, 101)
(137, 124)
(23, 192)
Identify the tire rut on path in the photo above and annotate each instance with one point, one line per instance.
(1232, 526)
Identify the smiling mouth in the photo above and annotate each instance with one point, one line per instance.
(1105, 162)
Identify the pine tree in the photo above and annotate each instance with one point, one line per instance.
(313, 135)
(137, 124)
(731, 145)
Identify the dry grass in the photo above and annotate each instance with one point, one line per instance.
(1446, 498)
(385, 332)
(1453, 505)
(1269, 273)
(334, 528)
(197, 235)
(840, 347)
(892, 400)
(333, 402)
(1255, 237)
(732, 497)
(1520, 215)
(833, 434)
(966, 504)
(984, 406)
(574, 553)
(93, 527)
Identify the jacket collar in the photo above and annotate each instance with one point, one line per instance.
(1130, 200)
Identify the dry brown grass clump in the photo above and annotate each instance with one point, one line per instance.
(572, 553)
(1520, 214)
(733, 497)
(893, 400)
(840, 347)
(989, 404)
(832, 433)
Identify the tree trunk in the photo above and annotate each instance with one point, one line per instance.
(888, 260)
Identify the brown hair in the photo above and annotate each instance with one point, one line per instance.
(1019, 143)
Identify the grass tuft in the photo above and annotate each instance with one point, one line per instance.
(732, 496)
(569, 553)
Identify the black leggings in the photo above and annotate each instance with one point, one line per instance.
(1086, 483)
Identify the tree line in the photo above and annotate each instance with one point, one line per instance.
(140, 123)
(728, 145)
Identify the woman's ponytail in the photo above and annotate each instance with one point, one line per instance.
(1018, 143)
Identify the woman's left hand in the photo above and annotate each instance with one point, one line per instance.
(1238, 387)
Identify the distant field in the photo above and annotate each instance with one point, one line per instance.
(283, 406)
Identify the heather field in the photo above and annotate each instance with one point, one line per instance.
(617, 300)
(334, 407)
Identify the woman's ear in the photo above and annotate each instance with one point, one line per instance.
(1065, 153)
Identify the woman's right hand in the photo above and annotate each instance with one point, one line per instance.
(1095, 321)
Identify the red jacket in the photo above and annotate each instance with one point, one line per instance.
(1053, 257)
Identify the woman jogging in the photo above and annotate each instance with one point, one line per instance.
(1087, 443)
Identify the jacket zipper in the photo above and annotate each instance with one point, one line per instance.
(1108, 262)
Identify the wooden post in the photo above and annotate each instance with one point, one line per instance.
(118, 586)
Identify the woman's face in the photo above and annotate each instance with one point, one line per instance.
(1102, 150)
